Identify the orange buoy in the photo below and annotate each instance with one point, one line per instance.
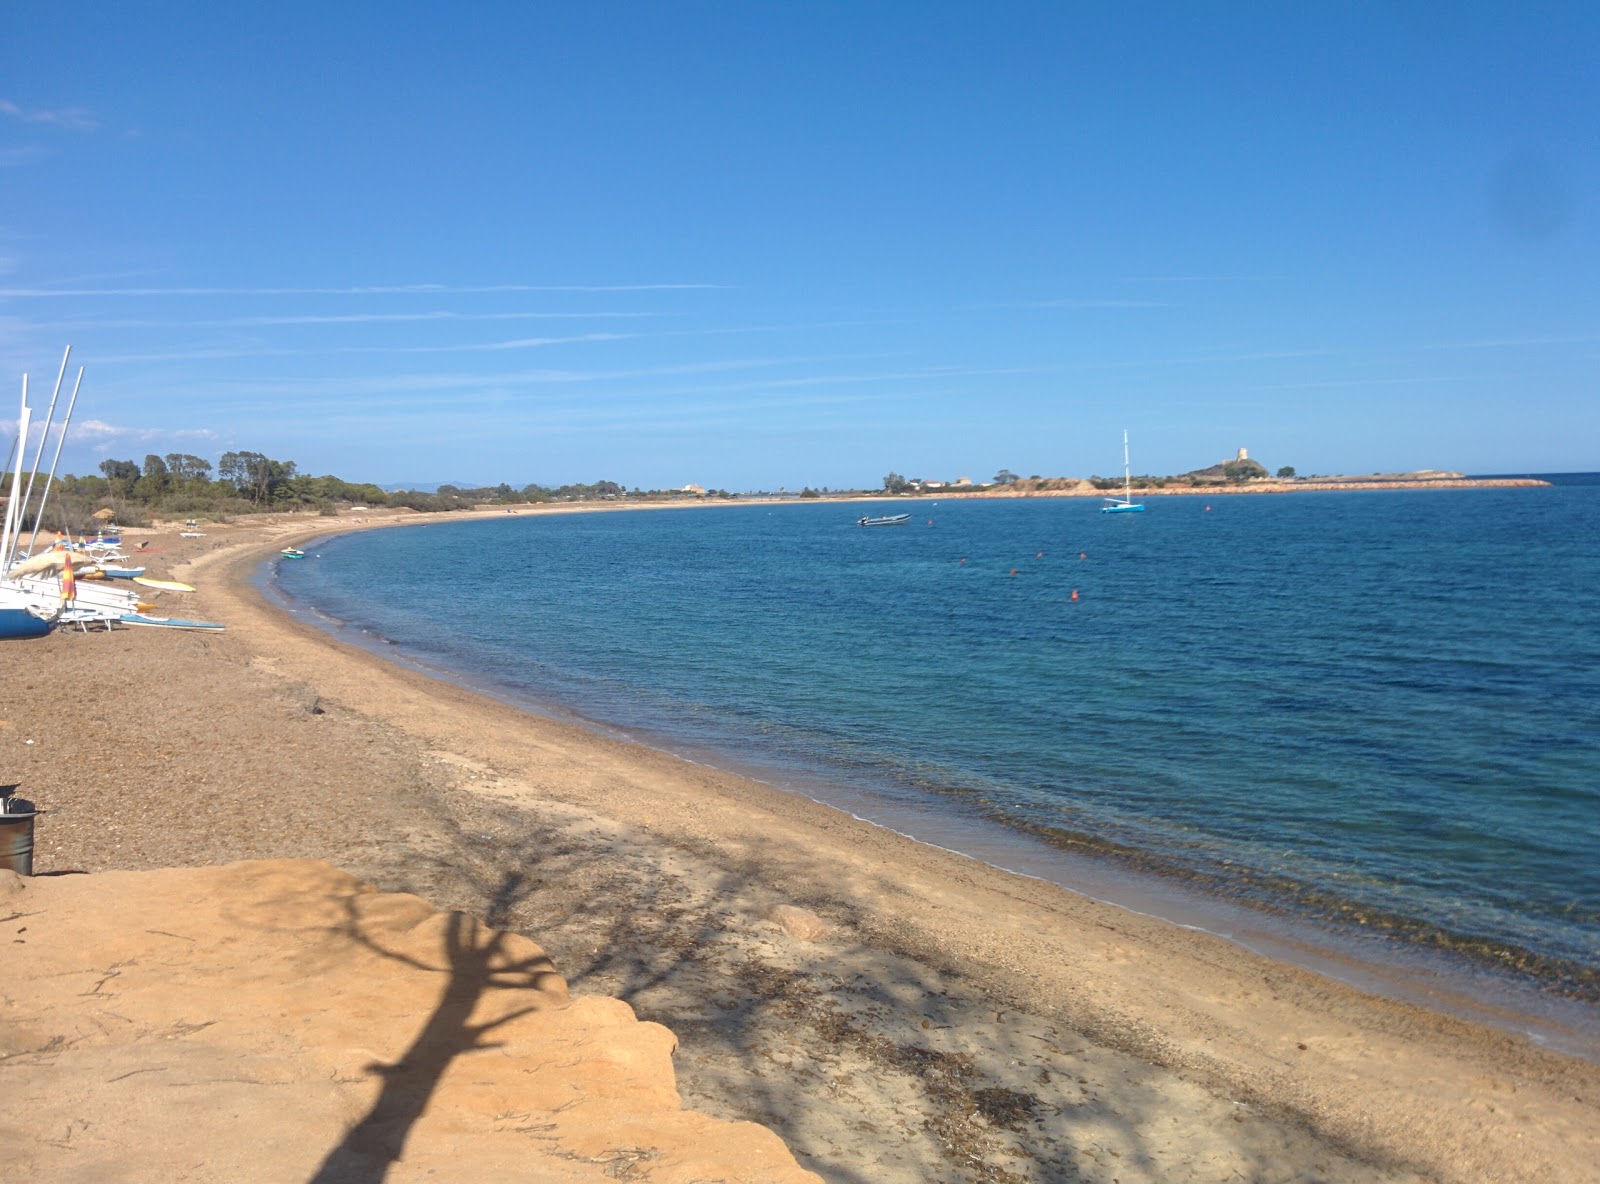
(1074, 595)
(1083, 554)
(1013, 571)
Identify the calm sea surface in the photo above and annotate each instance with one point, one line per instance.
(1375, 711)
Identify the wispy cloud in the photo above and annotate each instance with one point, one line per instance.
(1518, 342)
(358, 318)
(1088, 302)
(97, 432)
(219, 353)
(374, 290)
(1418, 380)
(74, 118)
(1185, 279)
(16, 158)
(384, 317)
(393, 386)
(487, 346)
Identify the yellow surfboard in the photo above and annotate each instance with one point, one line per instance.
(163, 585)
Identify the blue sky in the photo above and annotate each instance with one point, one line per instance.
(754, 245)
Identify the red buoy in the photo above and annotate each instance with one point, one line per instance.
(1074, 594)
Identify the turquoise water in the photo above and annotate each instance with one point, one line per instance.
(1374, 710)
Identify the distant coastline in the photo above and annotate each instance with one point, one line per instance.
(1055, 487)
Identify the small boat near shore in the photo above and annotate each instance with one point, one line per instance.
(1124, 504)
(885, 520)
(292, 553)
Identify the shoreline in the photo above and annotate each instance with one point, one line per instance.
(1469, 978)
(1469, 975)
(951, 957)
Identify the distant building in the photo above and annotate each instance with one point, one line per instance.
(963, 481)
(697, 490)
(933, 485)
(1244, 454)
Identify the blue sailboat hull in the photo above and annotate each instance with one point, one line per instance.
(20, 623)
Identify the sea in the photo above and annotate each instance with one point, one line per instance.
(1359, 730)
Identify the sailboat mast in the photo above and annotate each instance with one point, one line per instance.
(44, 497)
(1127, 472)
(13, 524)
(38, 452)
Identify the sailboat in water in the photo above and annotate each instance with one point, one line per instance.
(1124, 504)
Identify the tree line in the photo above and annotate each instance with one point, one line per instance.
(180, 484)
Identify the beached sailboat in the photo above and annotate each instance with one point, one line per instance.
(21, 614)
(1124, 504)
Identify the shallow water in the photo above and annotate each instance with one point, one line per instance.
(1378, 710)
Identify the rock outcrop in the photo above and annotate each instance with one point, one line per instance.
(274, 1021)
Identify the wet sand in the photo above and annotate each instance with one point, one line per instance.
(895, 1012)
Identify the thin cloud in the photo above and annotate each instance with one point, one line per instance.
(1091, 302)
(394, 290)
(98, 432)
(384, 317)
(359, 318)
(1186, 279)
(1517, 342)
(1422, 380)
(16, 158)
(221, 353)
(389, 386)
(487, 346)
(74, 118)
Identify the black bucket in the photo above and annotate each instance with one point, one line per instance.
(16, 832)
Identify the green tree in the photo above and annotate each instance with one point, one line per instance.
(1286, 471)
(1004, 477)
(184, 466)
(894, 482)
(257, 477)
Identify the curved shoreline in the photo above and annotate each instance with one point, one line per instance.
(1474, 975)
(1324, 1070)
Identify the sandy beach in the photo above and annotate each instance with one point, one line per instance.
(893, 1012)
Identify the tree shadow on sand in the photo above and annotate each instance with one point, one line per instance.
(806, 1041)
(476, 965)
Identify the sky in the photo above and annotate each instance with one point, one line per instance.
(769, 245)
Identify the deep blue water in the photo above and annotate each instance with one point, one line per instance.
(1378, 708)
